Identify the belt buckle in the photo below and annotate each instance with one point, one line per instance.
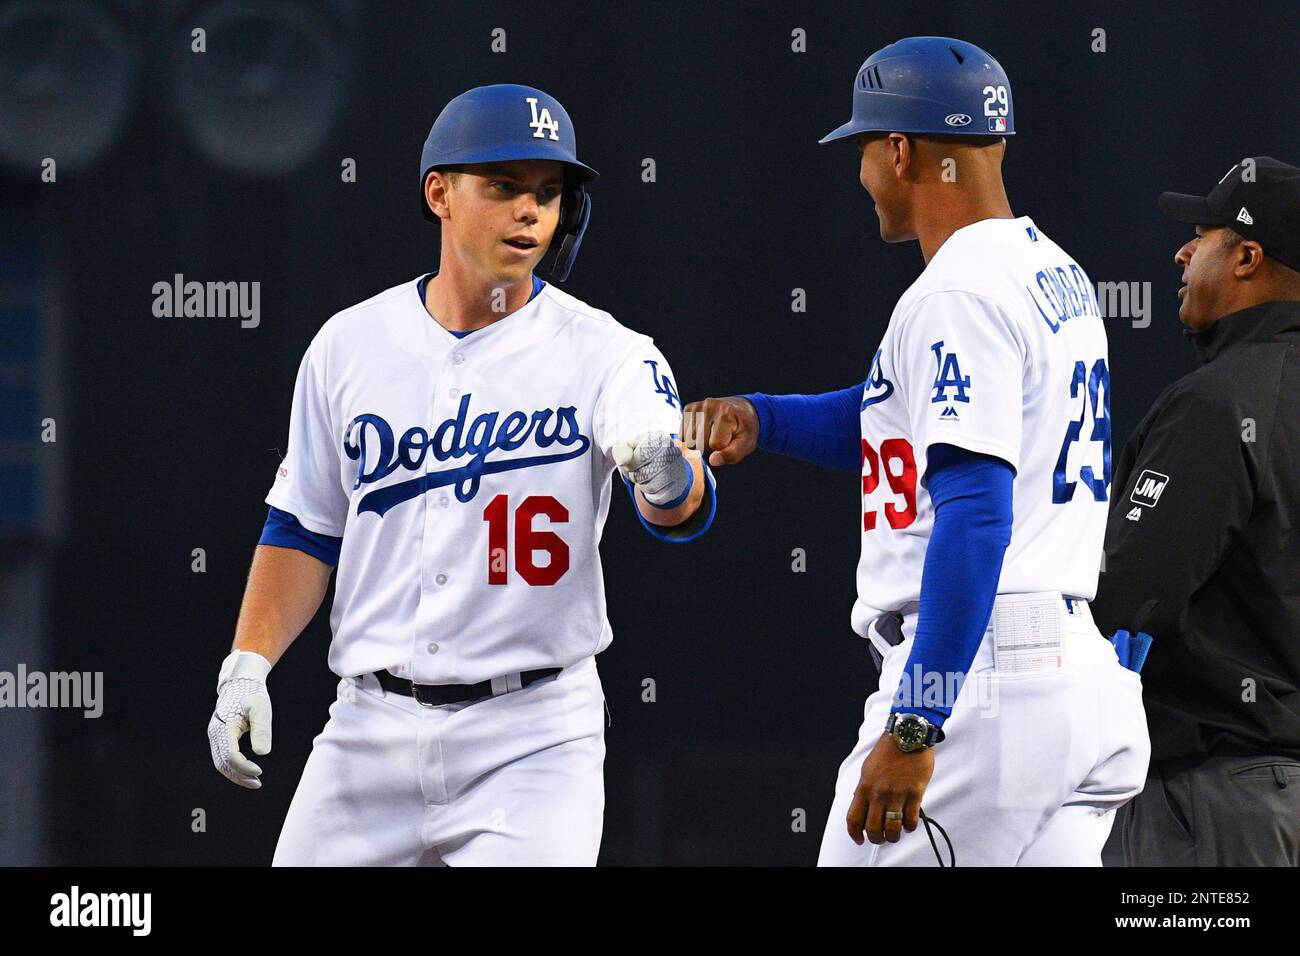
(415, 692)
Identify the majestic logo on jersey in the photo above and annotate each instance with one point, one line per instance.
(878, 388)
(1148, 488)
(947, 374)
(542, 124)
(369, 441)
(664, 385)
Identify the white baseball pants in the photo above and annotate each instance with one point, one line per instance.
(1034, 765)
(512, 780)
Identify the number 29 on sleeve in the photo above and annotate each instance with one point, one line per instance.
(897, 464)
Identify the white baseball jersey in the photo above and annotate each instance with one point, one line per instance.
(469, 479)
(998, 347)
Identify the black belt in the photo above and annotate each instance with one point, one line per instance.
(435, 695)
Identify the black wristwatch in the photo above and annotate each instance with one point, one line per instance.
(912, 732)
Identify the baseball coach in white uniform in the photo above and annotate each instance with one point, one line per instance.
(1002, 719)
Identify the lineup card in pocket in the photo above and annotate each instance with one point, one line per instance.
(1027, 633)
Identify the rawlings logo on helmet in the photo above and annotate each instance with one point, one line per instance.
(957, 119)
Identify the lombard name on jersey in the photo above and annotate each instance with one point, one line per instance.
(469, 479)
(1061, 294)
(998, 348)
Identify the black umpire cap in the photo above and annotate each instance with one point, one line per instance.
(1258, 199)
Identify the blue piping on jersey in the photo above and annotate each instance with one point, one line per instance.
(538, 285)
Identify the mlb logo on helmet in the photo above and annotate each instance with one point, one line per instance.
(997, 124)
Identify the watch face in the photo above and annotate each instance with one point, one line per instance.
(910, 732)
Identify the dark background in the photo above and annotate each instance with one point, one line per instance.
(226, 166)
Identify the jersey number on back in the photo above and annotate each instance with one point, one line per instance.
(1098, 401)
(898, 465)
(528, 541)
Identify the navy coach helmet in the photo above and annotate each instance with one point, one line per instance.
(507, 121)
(934, 85)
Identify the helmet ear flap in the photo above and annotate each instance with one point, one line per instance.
(575, 213)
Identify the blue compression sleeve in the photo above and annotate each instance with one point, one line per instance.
(972, 528)
(824, 429)
(283, 530)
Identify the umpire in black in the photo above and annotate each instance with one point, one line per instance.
(1203, 542)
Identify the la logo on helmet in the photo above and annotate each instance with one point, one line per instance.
(543, 123)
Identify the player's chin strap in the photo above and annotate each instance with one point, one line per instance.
(952, 854)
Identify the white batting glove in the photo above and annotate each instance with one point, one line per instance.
(243, 705)
(655, 464)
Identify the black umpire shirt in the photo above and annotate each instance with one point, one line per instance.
(1205, 522)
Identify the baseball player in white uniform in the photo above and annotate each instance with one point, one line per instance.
(982, 437)
(451, 448)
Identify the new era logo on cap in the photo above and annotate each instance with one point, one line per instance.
(1272, 219)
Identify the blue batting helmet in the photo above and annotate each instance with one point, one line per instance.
(507, 121)
(934, 85)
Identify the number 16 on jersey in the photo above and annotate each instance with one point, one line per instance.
(528, 540)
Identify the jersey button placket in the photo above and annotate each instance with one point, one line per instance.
(434, 508)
